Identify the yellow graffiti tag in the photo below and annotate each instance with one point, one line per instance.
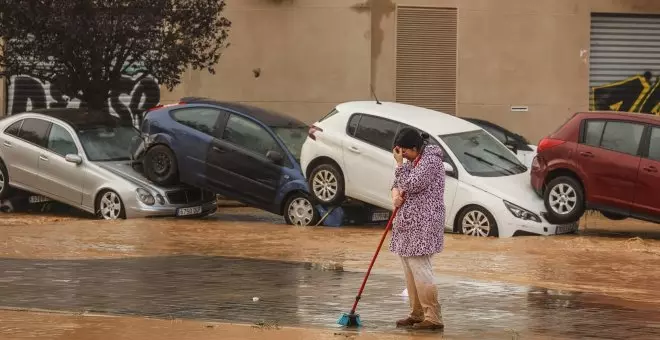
(625, 96)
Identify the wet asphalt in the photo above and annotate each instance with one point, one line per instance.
(305, 294)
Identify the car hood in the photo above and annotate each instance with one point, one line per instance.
(124, 170)
(515, 189)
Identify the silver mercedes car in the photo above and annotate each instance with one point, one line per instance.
(82, 159)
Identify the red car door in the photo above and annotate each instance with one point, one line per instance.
(648, 180)
(609, 158)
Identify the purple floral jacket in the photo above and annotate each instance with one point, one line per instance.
(418, 228)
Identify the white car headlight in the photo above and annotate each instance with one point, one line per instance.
(145, 197)
(521, 213)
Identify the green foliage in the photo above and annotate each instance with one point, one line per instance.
(84, 46)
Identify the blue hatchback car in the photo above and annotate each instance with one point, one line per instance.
(242, 152)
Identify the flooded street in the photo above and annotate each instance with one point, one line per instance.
(196, 276)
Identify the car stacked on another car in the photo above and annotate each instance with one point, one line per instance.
(604, 161)
(241, 152)
(81, 159)
(348, 154)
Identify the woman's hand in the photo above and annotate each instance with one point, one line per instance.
(397, 200)
(398, 155)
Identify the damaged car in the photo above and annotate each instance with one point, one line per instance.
(82, 159)
(241, 152)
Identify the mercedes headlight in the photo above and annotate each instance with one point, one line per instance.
(145, 197)
(521, 213)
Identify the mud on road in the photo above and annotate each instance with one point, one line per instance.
(611, 266)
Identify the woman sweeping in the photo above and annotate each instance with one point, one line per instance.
(418, 230)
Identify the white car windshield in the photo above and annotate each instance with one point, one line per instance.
(110, 143)
(482, 155)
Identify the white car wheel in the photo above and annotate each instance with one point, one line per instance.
(110, 206)
(326, 183)
(477, 221)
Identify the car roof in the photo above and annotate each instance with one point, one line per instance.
(81, 119)
(634, 116)
(268, 117)
(431, 121)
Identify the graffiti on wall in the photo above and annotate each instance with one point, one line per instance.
(128, 102)
(640, 93)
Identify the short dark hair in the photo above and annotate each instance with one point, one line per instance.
(410, 138)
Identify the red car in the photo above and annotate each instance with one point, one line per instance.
(604, 161)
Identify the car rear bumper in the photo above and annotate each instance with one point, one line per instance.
(537, 175)
(142, 211)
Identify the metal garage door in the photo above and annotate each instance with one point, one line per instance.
(624, 67)
(426, 57)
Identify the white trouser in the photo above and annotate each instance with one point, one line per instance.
(422, 291)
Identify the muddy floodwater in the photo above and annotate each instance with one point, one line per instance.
(194, 277)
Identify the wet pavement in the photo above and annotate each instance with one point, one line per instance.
(295, 294)
(601, 283)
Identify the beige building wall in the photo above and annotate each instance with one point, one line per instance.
(312, 54)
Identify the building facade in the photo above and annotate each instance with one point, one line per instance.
(524, 64)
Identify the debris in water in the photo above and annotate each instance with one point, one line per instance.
(255, 299)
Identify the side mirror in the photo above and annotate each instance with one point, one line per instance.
(511, 147)
(275, 157)
(73, 158)
(449, 170)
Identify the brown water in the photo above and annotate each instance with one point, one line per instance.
(617, 263)
(608, 257)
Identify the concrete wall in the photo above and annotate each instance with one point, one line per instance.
(315, 53)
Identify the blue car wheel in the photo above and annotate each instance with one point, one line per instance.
(300, 211)
(160, 165)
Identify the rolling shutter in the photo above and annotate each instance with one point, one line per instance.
(426, 57)
(624, 63)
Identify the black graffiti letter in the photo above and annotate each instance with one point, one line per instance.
(125, 87)
(620, 96)
(652, 101)
(27, 89)
(151, 92)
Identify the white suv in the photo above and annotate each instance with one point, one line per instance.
(348, 154)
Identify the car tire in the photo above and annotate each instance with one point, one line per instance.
(613, 216)
(325, 179)
(564, 192)
(299, 210)
(160, 165)
(109, 206)
(5, 189)
(476, 221)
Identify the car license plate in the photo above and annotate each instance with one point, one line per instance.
(380, 216)
(38, 199)
(189, 211)
(566, 228)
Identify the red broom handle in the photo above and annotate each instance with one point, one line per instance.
(382, 239)
(373, 260)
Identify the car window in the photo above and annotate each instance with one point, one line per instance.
(622, 137)
(593, 131)
(14, 128)
(249, 135)
(495, 132)
(352, 124)
(654, 144)
(202, 119)
(34, 131)
(60, 141)
(377, 131)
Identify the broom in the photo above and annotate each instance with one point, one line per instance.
(351, 319)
